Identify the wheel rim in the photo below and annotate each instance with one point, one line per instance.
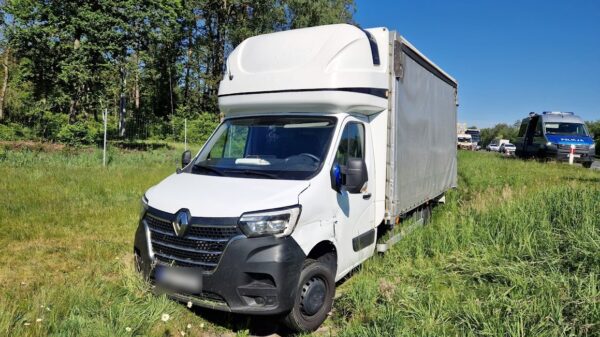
(313, 296)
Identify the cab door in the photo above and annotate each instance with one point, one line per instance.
(520, 141)
(535, 136)
(354, 213)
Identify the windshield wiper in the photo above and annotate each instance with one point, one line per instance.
(256, 173)
(208, 168)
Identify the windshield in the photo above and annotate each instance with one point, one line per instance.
(566, 129)
(474, 135)
(269, 147)
(464, 140)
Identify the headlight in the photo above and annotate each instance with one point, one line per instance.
(280, 222)
(593, 146)
(143, 205)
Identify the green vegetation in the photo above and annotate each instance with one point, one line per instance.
(515, 251)
(63, 62)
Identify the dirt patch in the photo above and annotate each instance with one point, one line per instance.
(140, 146)
(32, 146)
(386, 289)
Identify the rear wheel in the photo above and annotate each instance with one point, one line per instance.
(587, 164)
(423, 214)
(314, 297)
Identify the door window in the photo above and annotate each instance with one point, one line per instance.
(352, 143)
(523, 127)
(538, 128)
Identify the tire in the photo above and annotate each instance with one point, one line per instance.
(318, 282)
(426, 214)
(587, 164)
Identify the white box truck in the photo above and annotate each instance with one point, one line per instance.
(330, 135)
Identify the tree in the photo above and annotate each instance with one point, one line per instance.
(147, 60)
(501, 130)
(594, 128)
(5, 45)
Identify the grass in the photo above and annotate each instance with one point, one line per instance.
(514, 251)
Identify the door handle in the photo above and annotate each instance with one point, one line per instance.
(367, 196)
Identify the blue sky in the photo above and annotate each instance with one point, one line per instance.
(509, 57)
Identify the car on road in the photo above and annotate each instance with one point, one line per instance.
(464, 141)
(495, 144)
(507, 149)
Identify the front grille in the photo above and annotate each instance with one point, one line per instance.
(201, 246)
(204, 296)
(211, 297)
(578, 148)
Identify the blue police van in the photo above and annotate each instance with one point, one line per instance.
(550, 135)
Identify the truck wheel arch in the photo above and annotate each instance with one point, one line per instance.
(324, 252)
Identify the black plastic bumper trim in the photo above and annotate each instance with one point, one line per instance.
(364, 240)
(379, 92)
(236, 278)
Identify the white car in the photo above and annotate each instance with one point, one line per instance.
(507, 149)
(495, 144)
(492, 147)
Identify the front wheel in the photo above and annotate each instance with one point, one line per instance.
(314, 297)
(587, 164)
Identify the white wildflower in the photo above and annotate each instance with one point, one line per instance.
(26, 324)
(182, 333)
(189, 304)
(128, 329)
(165, 317)
(38, 320)
(189, 326)
(201, 325)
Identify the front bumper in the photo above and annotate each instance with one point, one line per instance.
(563, 155)
(253, 276)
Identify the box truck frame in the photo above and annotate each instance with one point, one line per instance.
(331, 134)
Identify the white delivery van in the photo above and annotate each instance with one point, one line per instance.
(464, 141)
(331, 134)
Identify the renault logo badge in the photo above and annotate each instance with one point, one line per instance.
(182, 220)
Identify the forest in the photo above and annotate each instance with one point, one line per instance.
(150, 64)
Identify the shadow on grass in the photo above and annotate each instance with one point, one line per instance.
(584, 179)
(255, 325)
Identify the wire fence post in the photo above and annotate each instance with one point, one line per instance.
(185, 134)
(105, 118)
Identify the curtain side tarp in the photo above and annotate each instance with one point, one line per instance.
(425, 138)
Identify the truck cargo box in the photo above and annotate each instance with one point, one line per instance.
(422, 131)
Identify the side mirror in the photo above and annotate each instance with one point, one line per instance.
(355, 175)
(186, 158)
(336, 177)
